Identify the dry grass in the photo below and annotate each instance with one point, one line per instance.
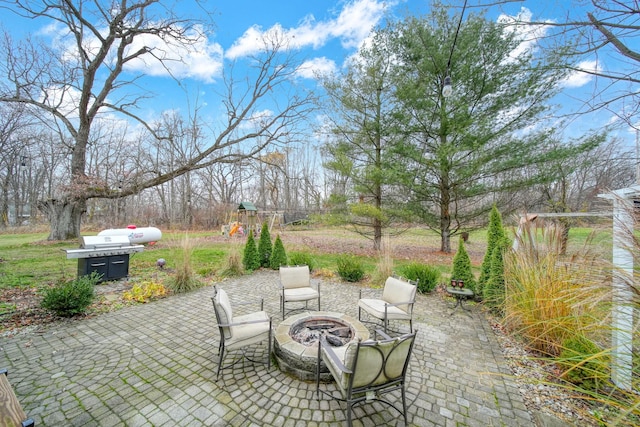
(551, 299)
(545, 295)
(185, 278)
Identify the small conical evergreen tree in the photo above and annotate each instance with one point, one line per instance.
(278, 256)
(495, 237)
(462, 267)
(494, 290)
(250, 260)
(265, 246)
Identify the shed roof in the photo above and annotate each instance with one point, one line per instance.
(247, 206)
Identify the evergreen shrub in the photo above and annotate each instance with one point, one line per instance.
(265, 246)
(462, 267)
(302, 258)
(71, 297)
(427, 276)
(350, 268)
(279, 255)
(251, 258)
(494, 290)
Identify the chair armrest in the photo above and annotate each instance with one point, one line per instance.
(332, 355)
(248, 322)
(260, 300)
(382, 334)
(388, 304)
(369, 290)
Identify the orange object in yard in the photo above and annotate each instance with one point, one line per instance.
(235, 227)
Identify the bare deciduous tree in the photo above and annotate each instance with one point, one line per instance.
(72, 87)
(603, 37)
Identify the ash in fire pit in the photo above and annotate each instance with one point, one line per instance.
(308, 331)
(295, 344)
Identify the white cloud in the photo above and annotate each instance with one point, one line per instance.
(65, 99)
(351, 26)
(257, 120)
(581, 78)
(529, 35)
(317, 66)
(201, 59)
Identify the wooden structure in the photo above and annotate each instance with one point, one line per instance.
(11, 413)
(248, 216)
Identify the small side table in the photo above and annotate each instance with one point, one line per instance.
(460, 294)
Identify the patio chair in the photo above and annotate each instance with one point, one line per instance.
(396, 303)
(365, 371)
(239, 332)
(295, 285)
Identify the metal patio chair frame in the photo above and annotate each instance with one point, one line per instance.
(295, 286)
(396, 303)
(366, 371)
(240, 332)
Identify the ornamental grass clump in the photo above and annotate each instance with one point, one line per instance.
(385, 264)
(544, 300)
(185, 278)
(73, 297)
(233, 263)
(561, 308)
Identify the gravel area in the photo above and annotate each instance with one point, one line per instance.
(536, 384)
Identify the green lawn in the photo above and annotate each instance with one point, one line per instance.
(28, 260)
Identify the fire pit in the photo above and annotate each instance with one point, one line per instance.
(296, 341)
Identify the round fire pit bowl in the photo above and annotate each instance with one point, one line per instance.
(296, 341)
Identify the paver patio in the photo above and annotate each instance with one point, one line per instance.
(155, 365)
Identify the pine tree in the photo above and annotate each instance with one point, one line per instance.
(265, 246)
(462, 267)
(251, 260)
(495, 237)
(278, 256)
(494, 288)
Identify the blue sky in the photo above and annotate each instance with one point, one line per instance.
(324, 32)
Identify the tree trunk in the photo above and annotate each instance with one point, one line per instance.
(565, 226)
(377, 234)
(64, 217)
(445, 240)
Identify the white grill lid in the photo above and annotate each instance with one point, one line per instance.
(99, 242)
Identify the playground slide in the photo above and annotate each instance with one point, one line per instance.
(234, 229)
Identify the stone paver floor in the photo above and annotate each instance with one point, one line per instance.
(155, 365)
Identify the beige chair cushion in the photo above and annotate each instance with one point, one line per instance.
(375, 307)
(295, 277)
(396, 291)
(252, 333)
(371, 367)
(223, 308)
(342, 379)
(300, 294)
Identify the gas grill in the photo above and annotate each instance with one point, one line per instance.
(106, 255)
